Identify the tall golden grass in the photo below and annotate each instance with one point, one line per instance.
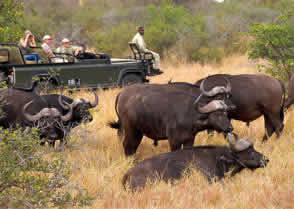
(98, 162)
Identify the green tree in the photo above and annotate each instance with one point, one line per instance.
(11, 20)
(168, 23)
(275, 43)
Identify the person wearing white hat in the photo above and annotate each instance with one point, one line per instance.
(66, 48)
(46, 46)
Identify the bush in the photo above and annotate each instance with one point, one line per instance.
(275, 43)
(169, 24)
(11, 20)
(30, 178)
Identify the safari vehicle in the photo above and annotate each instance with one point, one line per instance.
(87, 70)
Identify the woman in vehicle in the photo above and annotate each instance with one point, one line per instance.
(27, 42)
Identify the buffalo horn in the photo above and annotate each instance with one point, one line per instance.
(68, 116)
(60, 101)
(216, 90)
(96, 100)
(28, 116)
(212, 106)
(239, 144)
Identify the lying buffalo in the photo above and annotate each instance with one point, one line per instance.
(80, 108)
(254, 96)
(26, 109)
(162, 112)
(211, 161)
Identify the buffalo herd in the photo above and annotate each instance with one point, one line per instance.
(176, 112)
(53, 115)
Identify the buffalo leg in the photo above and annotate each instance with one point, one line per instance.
(189, 143)
(174, 145)
(268, 128)
(131, 141)
(52, 143)
(277, 124)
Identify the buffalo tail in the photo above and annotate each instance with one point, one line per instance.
(115, 125)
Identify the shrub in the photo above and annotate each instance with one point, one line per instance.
(11, 20)
(30, 178)
(275, 43)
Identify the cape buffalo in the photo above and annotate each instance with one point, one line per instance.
(80, 108)
(211, 161)
(254, 95)
(162, 112)
(27, 109)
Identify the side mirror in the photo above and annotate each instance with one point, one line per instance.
(4, 56)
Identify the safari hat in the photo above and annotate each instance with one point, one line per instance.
(46, 37)
(27, 32)
(65, 40)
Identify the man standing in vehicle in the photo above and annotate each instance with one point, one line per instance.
(139, 41)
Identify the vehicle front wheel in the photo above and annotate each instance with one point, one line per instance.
(131, 79)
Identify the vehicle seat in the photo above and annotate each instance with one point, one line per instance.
(15, 56)
(32, 58)
(137, 54)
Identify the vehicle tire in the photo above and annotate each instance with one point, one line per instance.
(129, 79)
(44, 87)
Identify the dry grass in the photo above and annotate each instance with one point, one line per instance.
(99, 163)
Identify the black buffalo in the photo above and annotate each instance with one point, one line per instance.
(212, 161)
(80, 108)
(26, 109)
(163, 112)
(254, 96)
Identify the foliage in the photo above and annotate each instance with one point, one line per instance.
(182, 28)
(168, 24)
(274, 42)
(11, 20)
(28, 179)
(114, 41)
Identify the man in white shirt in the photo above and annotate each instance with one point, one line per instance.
(46, 46)
(138, 39)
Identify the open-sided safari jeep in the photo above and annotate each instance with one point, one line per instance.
(87, 70)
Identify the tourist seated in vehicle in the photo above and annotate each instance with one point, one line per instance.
(139, 41)
(27, 42)
(46, 46)
(26, 45)
(68, 49)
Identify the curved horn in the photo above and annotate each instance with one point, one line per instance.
(96, 100)
(239, 144)
(28, 116)
(231, 139)
(60, 101)
(197, 99)
(216, 90)
(212, 106)
(68, 116)
(228, 88)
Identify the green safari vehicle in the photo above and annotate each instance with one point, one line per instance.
(87, 70)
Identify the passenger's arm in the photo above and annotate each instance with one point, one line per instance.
(33, 42)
